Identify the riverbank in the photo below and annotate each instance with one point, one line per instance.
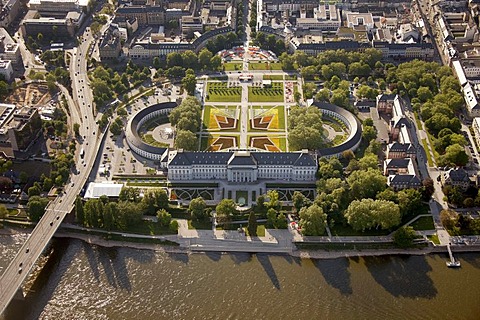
(299, 253)
(303, 254)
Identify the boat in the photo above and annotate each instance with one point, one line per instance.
(453, 264)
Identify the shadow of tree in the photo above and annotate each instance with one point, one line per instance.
(471, 259)
(264, 260)
(181, 257)
(290, 259)
(92, 260)
(214, 256)
(239, 257)
(402, 276)
(336, 274)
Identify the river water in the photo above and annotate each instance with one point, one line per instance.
(82, 281)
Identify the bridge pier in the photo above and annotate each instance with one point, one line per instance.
(17, 308)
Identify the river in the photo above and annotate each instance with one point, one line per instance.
(83, 281)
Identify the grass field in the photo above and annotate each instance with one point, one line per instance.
(427, 151)
(289, 77)
(232, 66)
(219, 92)
(272, 77)
(264, 66)
(149, 139)
(273, 94)
(423, 223)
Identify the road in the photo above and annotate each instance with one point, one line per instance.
(21, 265)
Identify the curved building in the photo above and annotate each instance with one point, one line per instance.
(353, 125)
(134, 140)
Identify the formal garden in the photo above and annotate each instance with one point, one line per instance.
(221, 118)
(275, 93)
(221, 92)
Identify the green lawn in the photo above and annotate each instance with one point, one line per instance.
(423, 223)
(273, 77)
(149, 228)
(427, 151)
(432, 140)
(289, 77)
(434, 239)
(149, 139)
(200, 225)
(340, 230)
(219, 92)
(264, 66)
(232, 66)
(273, 94)
(260, 231)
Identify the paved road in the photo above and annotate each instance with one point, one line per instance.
(19, 268)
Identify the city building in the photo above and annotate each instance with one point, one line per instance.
(51, 26)
(58, 5)
(190, 24)
(106, 188)
(325, 18)
(109, 46)
(19, 128)
(6, 69)
(9, 12)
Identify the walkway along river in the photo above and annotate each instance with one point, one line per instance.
(84, 281)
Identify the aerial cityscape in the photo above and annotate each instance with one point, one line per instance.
(186, 159)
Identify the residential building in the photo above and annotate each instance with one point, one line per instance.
(456, 177)
(9, 12)
(6, 69)
(9, 49)
(359, 21)
(400, 150)
(385, 103)
(403, 181)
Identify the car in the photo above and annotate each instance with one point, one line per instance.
(27, 250)
(20, 270)
(51, 223)
(73, 184)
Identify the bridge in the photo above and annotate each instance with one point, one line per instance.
(81, 111)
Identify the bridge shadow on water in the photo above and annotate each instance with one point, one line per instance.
(62, 255)
(336, 273)
(264, 260)
(402, 276)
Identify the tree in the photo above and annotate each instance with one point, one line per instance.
(204, 58)
(299, 201)
(189, 82)
(129, 194)
(404, 236)
(273, 201)
(252, 224)
(369, 133)
(281, 222)
(368, 213)
(455, 155)
(215, 63)
(186, 140)
(34, 191)
(189, 59)
(164, 217)
(428, 189)
(79, 212)
(369, 160)
(366, 184)
(36, 207)
(3, 211)
(197, 208)
(76, 129)
(261, 203)
(225, 210)
(312, 220)
(409, 201)
(271, 218)
(174, 59)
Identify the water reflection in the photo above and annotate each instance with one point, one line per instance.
(403, 276)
